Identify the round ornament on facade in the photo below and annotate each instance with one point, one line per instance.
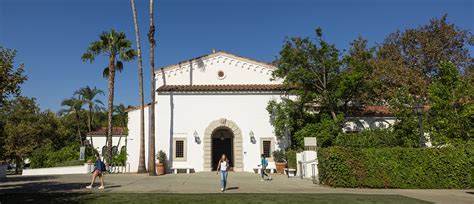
(220, 74)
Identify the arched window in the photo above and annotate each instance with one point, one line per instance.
(379, 124)
(104, 150)
(114, 150)
(353, 126)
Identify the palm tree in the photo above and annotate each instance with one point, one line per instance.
(141, 160)
(112, 44)
(73, 106)
(151, 139)
(88, 96)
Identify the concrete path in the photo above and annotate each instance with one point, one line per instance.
(206, 182)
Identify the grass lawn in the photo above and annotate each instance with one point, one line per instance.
(200, 198)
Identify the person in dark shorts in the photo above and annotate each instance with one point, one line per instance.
(264, 164)
(99, 168)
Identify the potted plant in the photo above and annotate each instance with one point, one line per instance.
(280, 163)
(161, 165)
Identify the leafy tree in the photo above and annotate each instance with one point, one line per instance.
(406, 127)
(452, 106)
(355, 86)
(74, 106)
(88, 96)
(115, 46)
(23, 130)
(320, 84)
(411, 58)
(311, 70)
(10, 77)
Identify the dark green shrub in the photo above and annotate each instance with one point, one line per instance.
(278, 156)
(121, 158)
(325, 132)
(161, 157)
(47, 157)
(368, 138)
(447, 167)
(291, 159)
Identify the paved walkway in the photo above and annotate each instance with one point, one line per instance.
(206, 182)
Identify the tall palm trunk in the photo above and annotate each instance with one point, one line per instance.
(110, 107)
(141, 159)
(151, 140)
(89, 123)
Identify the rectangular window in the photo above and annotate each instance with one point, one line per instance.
(179, 149)
(267, 148)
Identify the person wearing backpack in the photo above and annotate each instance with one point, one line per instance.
(264, 164)
(99, 167)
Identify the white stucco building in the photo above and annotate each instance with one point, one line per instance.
(208, 106)
(216, 104)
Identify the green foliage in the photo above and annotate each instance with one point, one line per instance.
(406, 127)
(446, 167)
(278, 156)
(325, 131)
(10, 77)
(368, 138)
(121, 158)
(291, 158)
(161, 157)
(45, 156)
(452, 108)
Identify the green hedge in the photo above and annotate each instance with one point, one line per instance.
(47, 157)
(368, 138)
(397, 167)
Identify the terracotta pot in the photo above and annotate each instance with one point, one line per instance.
(160, 169)
(280, 167)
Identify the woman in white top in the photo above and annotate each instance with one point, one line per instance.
(222, 167)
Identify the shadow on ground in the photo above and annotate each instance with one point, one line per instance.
(47, 187)
(10, 179)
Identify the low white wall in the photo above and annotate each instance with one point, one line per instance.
(86, 168)
(307, 159)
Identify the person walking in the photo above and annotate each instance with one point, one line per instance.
(99, 167)
(264, 164)
(223, 167)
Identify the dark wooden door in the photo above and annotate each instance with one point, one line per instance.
(220, 147)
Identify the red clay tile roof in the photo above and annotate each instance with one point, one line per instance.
(221, 88)
(102, 131)
(378, 110)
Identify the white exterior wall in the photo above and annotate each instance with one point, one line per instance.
(237, 70)
(192, 113)
(86, 168)
(181, 114)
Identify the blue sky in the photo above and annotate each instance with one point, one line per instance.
(51, 35)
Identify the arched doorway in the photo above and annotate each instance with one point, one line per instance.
(222, 143)
(233, 132)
